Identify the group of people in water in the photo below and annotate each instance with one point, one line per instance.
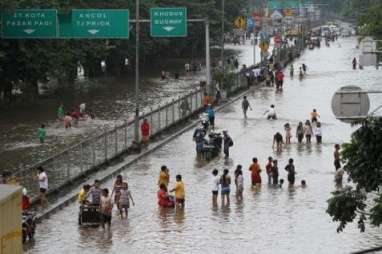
(101, 198)
(121, 197)
(275, 76)
(302, 70)
(222, 183)
(68, 119)
(74, 116)
(188, 68)
(311, 128)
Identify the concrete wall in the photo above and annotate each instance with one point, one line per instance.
(10, 219)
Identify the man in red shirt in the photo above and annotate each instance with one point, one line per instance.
(25, 201)
(279, 79)
(145, 131)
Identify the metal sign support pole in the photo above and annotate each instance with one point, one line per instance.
(222, 41)
(136, 118)
(208, 62)
(137, 21)
(254, 47)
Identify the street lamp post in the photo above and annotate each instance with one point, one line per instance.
(222, 39)
(136, 118)
(254, 46)
(208, 59)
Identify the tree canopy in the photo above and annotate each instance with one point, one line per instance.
(361, 200)
(31, 60)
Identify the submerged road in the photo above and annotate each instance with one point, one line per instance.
(269, 220)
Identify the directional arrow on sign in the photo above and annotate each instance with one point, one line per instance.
(168, 28)
(93, 31)
(168, 22)
(29, 31)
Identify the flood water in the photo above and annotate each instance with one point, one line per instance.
(111, 99)
(269, 220)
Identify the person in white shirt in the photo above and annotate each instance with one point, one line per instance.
(187, 67)
(43, 184)
(82, 108)
(318, 133)
(271, 113)
(215, 186)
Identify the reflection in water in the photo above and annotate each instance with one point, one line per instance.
(228, 162)
(179, 216)
(308, 149)
(318, 149)
(245, 123)
(239, 209)
(225, 212)
(291, 192)
(164, 215)
(215, 209)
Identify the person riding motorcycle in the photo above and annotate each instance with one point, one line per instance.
(199, 139)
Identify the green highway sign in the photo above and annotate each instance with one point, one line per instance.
(29, 24)
(96, 23)
(168, 22)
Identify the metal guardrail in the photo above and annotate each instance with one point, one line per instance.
(93, 152)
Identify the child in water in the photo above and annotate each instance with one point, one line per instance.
(124, 200)
(41, 133)
(179, 191)
(288, 133)
(278, 141)
(318, 133)
(106, 208)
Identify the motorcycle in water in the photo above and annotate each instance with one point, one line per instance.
(89, 215)
(205, 121)
(28, 225)
(214, 146)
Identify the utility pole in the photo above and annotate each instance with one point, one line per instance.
(208, 60)
(254, 46)
(136, 118)
(222, 39)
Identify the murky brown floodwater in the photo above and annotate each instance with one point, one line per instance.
(111, 99)
(269, 220)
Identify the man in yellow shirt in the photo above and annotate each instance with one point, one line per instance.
(179, 191)
(164, 176)
(83, 193)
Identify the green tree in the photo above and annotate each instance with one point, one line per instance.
(29, 61)
(362, 200)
